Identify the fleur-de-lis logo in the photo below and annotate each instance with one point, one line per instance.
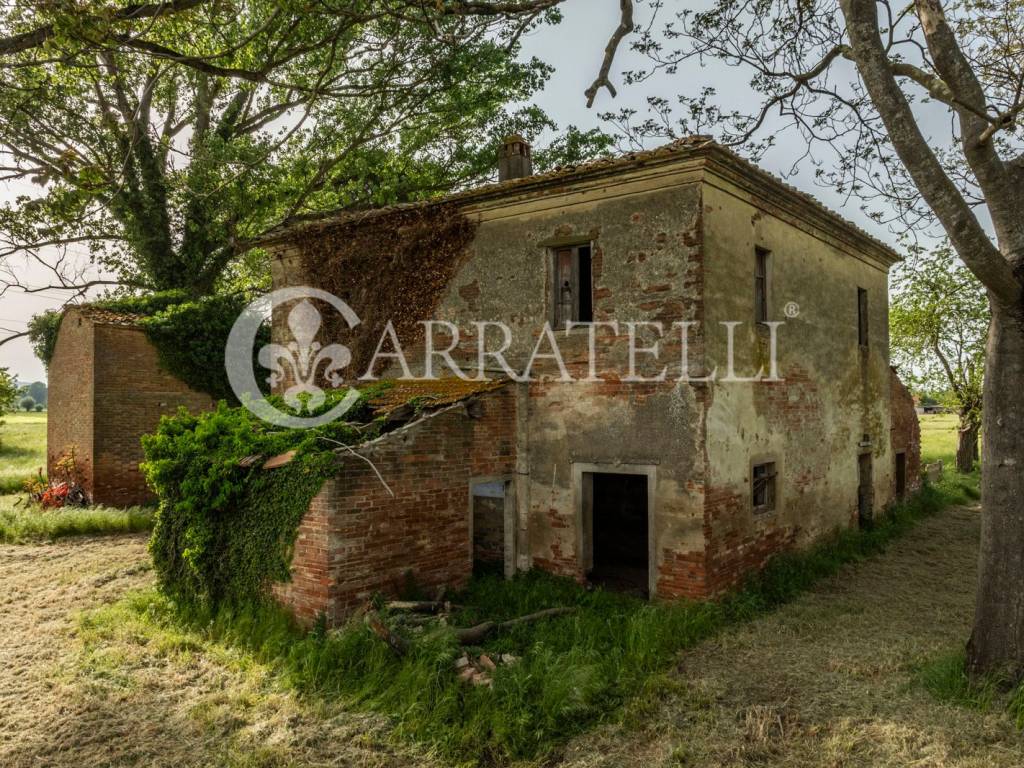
(299, 364)
(299, 361)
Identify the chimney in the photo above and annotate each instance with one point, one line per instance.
(514, 159)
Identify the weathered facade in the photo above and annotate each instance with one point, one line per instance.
(107, 389)
(671, 488)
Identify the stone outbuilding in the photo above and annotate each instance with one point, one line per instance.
(107, 389)
(667, 488)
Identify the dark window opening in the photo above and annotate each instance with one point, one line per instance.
(617, 526)
(862, 316)
(865, 492)
(573, 283)
(761, 285)
(901, 475)
(762, 483)
(489, 527)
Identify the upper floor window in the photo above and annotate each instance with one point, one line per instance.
(862, 316)
(761, 256)
(573, 286)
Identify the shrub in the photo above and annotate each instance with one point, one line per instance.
(225, 528)
(27, 404)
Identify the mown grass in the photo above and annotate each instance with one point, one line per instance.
(608, 659)
(945, 676)
(21, 521)
(22, 449)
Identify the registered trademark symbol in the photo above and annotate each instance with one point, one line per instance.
(792, 309)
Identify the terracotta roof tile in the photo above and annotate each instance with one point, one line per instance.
(430, 393)
(107, 317)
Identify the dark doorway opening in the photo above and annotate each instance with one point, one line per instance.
(865, 492)
(618, 523)
(489, 526)
(901, 475)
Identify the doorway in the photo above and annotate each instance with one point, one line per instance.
(865, 491)
(489, 504)
(616, 518)
(901, 475)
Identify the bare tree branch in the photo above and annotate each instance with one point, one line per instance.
(624, 28)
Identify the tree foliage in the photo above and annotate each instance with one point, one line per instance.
(8, 391)
(167, 136)
(938, 322)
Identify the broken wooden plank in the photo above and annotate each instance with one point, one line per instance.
(279, 461)
(397, 644)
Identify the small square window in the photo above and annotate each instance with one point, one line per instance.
(763, 487)
(573, 284)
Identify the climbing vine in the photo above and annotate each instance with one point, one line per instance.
(226, 527)
(392, 266)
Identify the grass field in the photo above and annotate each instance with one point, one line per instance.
(827, 660)
(22, 454)
(22, 449)
(938, 437)
(572, 673)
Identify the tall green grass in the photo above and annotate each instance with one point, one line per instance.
(945, 678)
(573, 671)
(21, 522)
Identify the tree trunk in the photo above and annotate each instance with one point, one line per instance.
(967, 449)
(997, 639)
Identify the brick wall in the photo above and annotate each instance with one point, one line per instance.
(357, 539)
(906, 431)
(109, 391)
(69, 423)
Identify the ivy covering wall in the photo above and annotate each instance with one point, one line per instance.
(226, 528)
(393, 265)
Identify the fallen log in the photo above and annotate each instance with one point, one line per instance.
(476, 635)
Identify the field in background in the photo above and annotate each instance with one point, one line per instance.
(22, 449)
(938, 437)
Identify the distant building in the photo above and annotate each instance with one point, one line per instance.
(107, 389)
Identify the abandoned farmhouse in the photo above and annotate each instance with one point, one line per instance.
(666, 488)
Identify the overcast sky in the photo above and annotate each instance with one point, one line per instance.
(575, 49)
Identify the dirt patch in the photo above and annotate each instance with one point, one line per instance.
(827, 680)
